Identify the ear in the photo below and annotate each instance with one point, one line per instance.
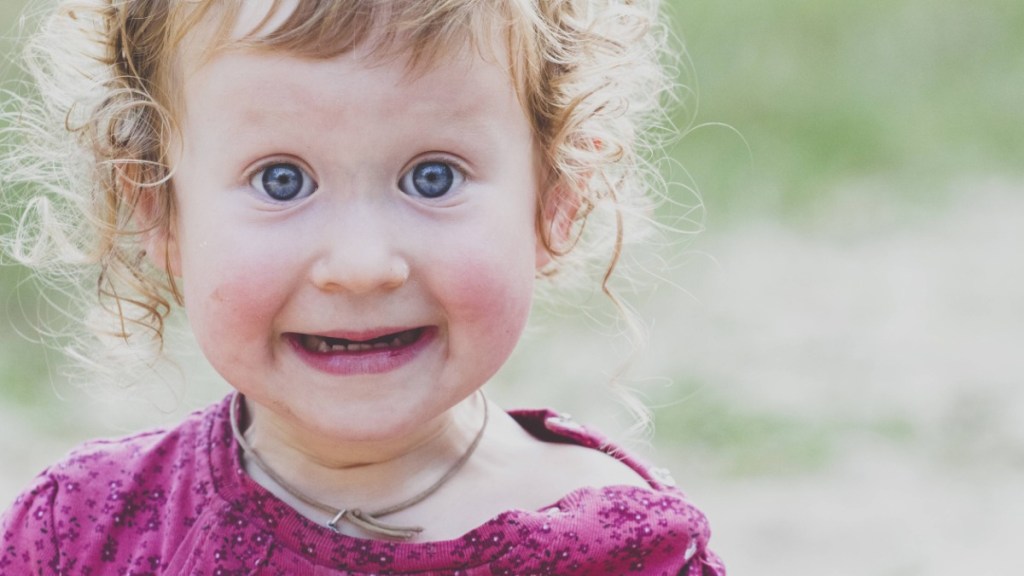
(162, 248)
(556, 218)
(153, 216)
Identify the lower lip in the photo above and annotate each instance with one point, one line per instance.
(365, 361)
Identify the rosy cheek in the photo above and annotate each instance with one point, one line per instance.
(491, 295)
(225, 305)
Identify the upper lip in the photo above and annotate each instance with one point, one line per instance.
(361, 335)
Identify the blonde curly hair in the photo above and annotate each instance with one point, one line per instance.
(85, 152)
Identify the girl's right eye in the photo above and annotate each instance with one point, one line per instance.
(283, 181)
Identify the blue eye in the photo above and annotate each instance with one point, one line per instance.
(283, 181)
(431, 179)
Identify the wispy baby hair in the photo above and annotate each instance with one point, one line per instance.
(85, 159)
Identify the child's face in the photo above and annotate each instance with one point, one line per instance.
(322, 203)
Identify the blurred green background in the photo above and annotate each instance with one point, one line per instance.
(834, 362)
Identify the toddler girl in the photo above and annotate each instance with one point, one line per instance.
(352, 200)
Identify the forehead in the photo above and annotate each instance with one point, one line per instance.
(420, 34)
(425, 41)
(334, 111)
(258, 88)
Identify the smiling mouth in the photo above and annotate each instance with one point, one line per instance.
(388, 342)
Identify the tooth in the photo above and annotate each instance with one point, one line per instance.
(380, 345)
(322, 346)
(312, 343)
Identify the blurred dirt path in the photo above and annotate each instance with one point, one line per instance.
(911, 318)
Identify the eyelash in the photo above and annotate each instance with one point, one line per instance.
(456, 171)
(259, 181)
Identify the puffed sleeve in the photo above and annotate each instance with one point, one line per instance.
(29, 544)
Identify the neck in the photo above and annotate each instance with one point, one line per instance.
(368, 475)
(276, 440)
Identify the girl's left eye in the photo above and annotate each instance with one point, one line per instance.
(283, 181)
(431, 179)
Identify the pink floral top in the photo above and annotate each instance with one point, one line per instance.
(177, 502)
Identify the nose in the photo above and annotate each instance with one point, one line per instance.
(359, 255)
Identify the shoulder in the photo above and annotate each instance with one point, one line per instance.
(567, 449)
(105, 493)
(540, 456)
(611, 530)
(140, 458)
(629, 528)
(623, 515)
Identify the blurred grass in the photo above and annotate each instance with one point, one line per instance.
(723, 437)
(912, 92)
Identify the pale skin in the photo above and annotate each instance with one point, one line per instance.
(358, 252)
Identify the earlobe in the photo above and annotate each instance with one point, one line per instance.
(162, 249)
